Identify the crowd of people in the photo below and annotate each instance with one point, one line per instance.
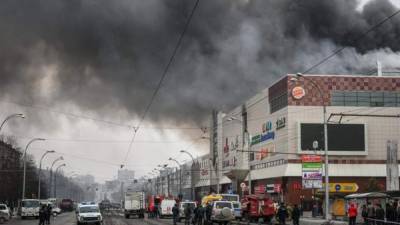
(375, 214)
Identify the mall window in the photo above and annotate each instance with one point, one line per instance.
(278, 102)
(365, 98)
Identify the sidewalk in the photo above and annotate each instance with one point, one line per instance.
(307, 219)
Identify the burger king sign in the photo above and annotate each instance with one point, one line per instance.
(298, 92)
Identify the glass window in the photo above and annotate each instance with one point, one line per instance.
(365, 98)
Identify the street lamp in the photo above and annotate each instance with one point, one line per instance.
(20, 115)
(191, 173)
(40, 169)
(295, 79)
(51, 172)
(24, 176)
(180, 174)
(55, 179)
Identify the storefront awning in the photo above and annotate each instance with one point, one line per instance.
(367, 195)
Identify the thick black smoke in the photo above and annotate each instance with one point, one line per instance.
(108, 56)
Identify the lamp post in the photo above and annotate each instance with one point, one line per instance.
(51, 172)
(55, 179)
(180, 175)
(24, 159)
(191, 174)
(295, 79)
(40, 170)
(20, 115)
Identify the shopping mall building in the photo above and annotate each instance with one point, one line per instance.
(269, 133)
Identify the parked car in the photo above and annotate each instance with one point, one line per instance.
(222, 212)
(3, 217)
(4, 208)
(182, 207)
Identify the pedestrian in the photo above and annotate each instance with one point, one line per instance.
(48, 214)
(175, 213)
(371, 213)
(379, 215)
(42, 215)
(195, 214)
(208, 212)
(364, 214)
(352, 214)
(200, 216)
(282, 214)
(390, 213)
(296, 215)
(188, 214)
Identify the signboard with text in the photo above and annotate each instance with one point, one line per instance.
(311, 171)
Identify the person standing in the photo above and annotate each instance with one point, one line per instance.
(208, 212)
(175, 213)
(48, 214)
(364, 214)
(200, 216)
(296, 215)
(352, 214)
(371, 213)
(188, 214)
(282, 214)
(42, 215)
(379, 215)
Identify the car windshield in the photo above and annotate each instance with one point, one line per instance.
(3, 207)
(231, 198)
(89, 209)
(191, 205)
(30, 204)
(220, 205)
(236, 205)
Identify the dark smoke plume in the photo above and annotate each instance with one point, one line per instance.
(106, 56)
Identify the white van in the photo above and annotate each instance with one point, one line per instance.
(166, 207)
(30, 208)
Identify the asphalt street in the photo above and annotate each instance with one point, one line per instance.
(115, 218)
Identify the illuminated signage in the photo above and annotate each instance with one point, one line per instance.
(298, 92)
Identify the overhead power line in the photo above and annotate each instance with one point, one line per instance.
(338, 50)
(163, 75)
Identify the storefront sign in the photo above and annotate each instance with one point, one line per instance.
(298, 92)
(311, 171)
(262, 137)
(204, 172)
(280, 123)
(266, 127)
(273, 188)
(229, 162)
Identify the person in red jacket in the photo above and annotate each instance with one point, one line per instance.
(352, 214)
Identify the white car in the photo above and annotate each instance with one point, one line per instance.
(5, 210)
(222, 212)
(88, 214)
(182, 207)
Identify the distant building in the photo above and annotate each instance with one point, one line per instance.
(126, 176)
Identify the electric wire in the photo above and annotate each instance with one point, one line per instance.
(163, 75)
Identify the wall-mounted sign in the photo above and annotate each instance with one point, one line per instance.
(298, 92)
(204, 172)
(229, 162)
(341, 187)
(262, 137)
(266, 127)
(280, 123)
(265, 151)
(311, 171)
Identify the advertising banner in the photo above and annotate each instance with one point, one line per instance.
(311, 171)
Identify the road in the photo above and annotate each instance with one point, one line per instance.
(118, 219)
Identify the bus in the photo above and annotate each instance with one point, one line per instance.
(30, 208)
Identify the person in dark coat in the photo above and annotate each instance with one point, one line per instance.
(296, 215)
(200, 215)
(48, 214)
(282, 214)
(188, 214)
(42, 215)
(390, 213)
(379, 215)
(175, 213)
(208, 212)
